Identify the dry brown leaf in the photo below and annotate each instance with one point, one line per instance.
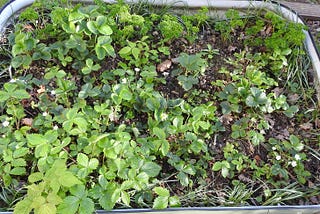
(314, 200)
(306, 126)
(284, 135)
(226, 118)
(42, 89)
(165, 65)
(268, 30)
(27, 121)
(317, 122)
(269, 119)
(277, 91)
(251, 148)
(244, 178)
(28, 28)
(232, 48)
(292, 98)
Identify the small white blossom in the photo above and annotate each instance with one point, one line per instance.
(163, 116)
(45, 114)
(53, 92)
(278, 157)
(136, 69)
(297, 157)
(274, 148)
(3, 136)
(55, 127)
(124, 81)
(13, 80)
(5, 123)
(293, 163)
(165, 74)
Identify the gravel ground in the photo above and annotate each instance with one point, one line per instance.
(314, 27)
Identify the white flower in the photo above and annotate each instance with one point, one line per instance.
(297, 157)
(45, 114)
(136, 69)
(3, 136)
(274, 148)
(55, 127)
(293, 163)
(278, 157)
(53, 92)
(5, 123)
(165, 74)
(13, 80)
(163, 116)
(124, 81)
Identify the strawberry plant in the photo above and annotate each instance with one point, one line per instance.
(130, 106)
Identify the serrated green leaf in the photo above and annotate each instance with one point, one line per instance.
(67, 179)
(23, 207)
(110, 50)
(36, 139)
(110, 197)
(104, 40)
(224, 172)
(30, 44)
(54, 198)
(125, 51)
(9, 87)
(47, 208)
(82, 159)
(69, 205)
(35, 177)
(159, 133)
(81, 122)
(135, 53)
(101, 52)
(105, 30)
(42, 150)
(216, 166)
(125, 94)
(161, 191)
(174, 201)
(93, 163)
(189, 170)
(151, 168)
(91, 25)
(125, 198)
(20, 152)
(86, 206)
(165, 147)
(19, 162)
(290, 112)
(161, 202)
(20, 94)
(187, 82)
(18, 171)
(79, 191)
(4, 96)
(17, 61)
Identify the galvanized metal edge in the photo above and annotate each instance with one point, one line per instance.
(13, 6)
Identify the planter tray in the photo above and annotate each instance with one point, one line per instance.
(313, 209)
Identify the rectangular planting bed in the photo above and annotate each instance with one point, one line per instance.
(181, 107)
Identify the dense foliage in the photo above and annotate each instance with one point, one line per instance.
(114, 106)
